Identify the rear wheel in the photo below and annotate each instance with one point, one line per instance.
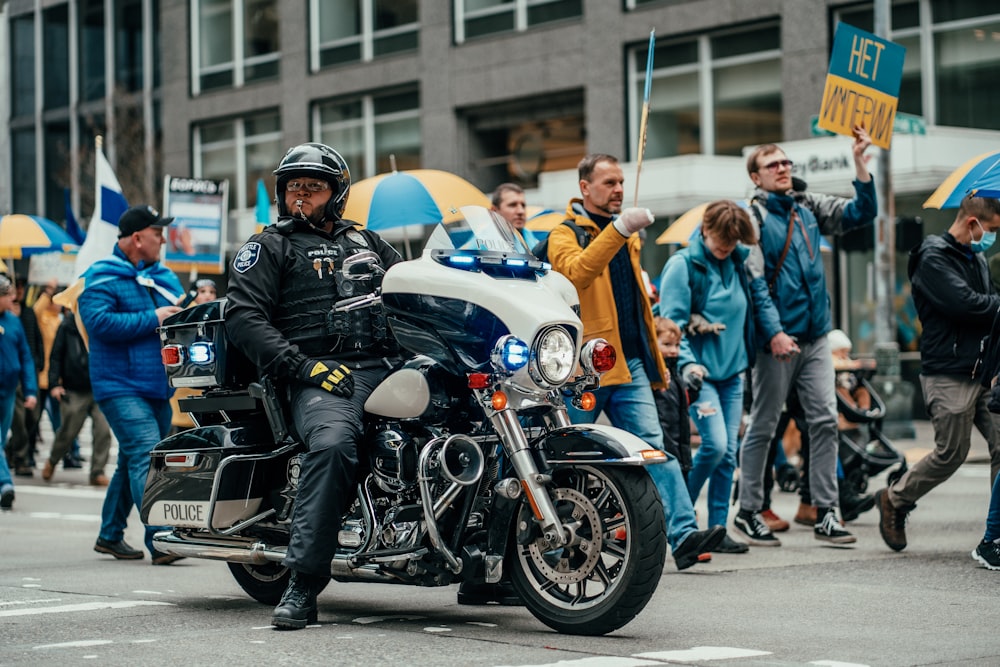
(609, 568)
(264, 583)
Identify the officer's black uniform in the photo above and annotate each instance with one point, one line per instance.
(283, 284)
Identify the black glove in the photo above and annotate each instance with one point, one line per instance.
(336, 380)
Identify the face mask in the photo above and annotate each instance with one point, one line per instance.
(984, 243)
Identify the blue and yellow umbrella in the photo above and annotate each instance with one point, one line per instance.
(26, 235)
(963, 180)
(413, 197)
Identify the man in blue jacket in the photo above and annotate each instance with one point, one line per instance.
(792, 308)
(16, 367)
(126, 297)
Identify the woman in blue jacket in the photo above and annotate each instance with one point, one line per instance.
(708, 279)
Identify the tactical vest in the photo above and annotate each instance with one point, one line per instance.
(313, 282)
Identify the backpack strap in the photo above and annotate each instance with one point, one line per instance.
(697, 283)
(582, 235)
(788, 241)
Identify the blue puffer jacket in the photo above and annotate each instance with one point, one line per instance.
(16, 364)
(119, 314)
(799, 303)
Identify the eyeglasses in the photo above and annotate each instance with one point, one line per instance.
(773, 167)
(312, 186)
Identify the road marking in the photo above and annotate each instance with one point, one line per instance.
(65, 492)
(3, 604)
(86, 606)
(704, 653)
(439, 629)
(77, 644)
(89, 518)
(834, 663)
(602, 661)
(365, 620)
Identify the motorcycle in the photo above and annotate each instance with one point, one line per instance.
(469, 470)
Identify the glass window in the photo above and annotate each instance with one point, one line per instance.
(92, 83)
(240, 150)
(128, 44)
(359, 30)
(371, 132)
(57, 170)
(237, 43)
(22, 172)
(476, 18)
(55, 47)
(967, 68)
(711, 94)
(22, 49)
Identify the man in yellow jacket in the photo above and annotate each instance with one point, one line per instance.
(613, 305)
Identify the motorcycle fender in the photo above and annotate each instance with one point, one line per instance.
(596, 444)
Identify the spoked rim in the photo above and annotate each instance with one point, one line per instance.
(585, 571)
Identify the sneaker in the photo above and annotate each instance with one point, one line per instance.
(892, 521)
(120, 549)
(698, 542)
(730, 546)
(754, 530)
(988, 554)
(806, 515)
(828, 529)
(7, 497)
(773, 521)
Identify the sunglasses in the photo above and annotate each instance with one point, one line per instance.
(314, 186)
(773, 167)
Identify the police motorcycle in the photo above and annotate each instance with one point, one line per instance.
(470, 469)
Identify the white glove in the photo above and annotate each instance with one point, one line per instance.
(632, 220)
(693, 375)
(699, 325)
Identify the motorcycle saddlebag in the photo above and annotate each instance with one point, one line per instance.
(196, 352)
(247, 473)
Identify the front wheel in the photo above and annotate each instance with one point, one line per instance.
(608, 570)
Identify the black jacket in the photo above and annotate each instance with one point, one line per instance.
(672, 411)
(956, 303)
(69, 361)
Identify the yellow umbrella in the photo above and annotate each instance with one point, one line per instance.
(413, 197)
(682, 228)
(543, 219)
(953, 189)
(26, 235)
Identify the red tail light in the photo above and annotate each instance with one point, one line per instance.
(172, 355)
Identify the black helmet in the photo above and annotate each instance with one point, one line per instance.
(315, 161)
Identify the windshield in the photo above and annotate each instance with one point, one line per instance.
(477, 228)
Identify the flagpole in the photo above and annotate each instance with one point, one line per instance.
(645, 114)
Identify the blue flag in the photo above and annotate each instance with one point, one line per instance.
(72, 226)
(263, 210)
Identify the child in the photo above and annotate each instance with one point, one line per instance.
(672, 402)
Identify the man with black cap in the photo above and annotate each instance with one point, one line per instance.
(284, 283)
(125, 298)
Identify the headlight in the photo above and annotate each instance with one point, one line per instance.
(553, 357)
(510, 353)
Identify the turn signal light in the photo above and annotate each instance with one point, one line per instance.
(171, 355)
(588, 401)
(653, 454)
(499, 400)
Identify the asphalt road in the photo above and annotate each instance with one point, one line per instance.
(803, 603)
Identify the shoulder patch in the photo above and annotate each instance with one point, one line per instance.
(358, 238)
(246, 257)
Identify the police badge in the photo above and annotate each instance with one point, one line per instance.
(357, 238)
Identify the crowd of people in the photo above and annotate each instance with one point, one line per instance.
(738, 342)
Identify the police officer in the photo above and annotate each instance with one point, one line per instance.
(284, 282)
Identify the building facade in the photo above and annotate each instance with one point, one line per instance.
(493, 90)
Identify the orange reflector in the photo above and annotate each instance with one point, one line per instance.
(531, 500)
(479, 380)
(499, 400)
(650, 454)
(588, 401)
(171, 355)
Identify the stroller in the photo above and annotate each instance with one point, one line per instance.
(864, 450)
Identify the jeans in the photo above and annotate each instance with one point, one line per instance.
(6, 418)
(630, 407)
(138, 423)
(717, 415)
(993, 516)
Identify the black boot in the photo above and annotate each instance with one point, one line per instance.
(298, 603)
(501, 593)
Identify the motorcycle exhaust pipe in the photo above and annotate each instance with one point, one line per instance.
(259, 553)
(461, 462)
